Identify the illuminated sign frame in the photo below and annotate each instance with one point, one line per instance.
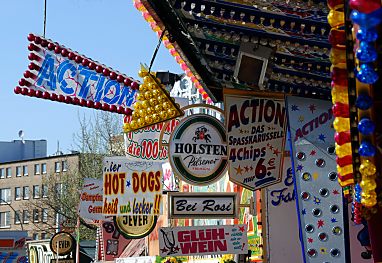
(59, 74)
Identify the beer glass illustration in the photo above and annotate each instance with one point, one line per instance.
(169, 241)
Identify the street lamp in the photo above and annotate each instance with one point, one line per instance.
(3, 202)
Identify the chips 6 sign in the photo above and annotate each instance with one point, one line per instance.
(131, 188)
(256, 138)
(60, 74)
(198, 149)
(203, 240)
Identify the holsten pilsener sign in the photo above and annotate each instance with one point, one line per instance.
(198, 149)
(203, 205)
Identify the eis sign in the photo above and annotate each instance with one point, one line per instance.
(203, 240)
(60, 74)
(198, 149)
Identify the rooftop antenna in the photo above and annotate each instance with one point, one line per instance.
(21, 135)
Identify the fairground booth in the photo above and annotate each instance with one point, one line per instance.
(277, 162)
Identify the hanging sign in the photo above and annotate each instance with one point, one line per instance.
(203, 205)
(91, 200)
(135, 226)
(198, 149)
(62, 243)
(131, 188)
(60, 74)
(255, 125)
(112, 243)
(203, 240)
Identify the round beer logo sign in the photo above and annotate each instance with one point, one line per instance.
(62, 243)
(135, 226)
(198, 149)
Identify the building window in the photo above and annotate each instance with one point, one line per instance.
(64, 166)
(35, 236)
(57, 167)
(2, 173)
(9, 172)
(44, 215)
(58, 188)
(5, 195)
(17, 193)
(25, 170)
(43, 236)
(43, 168)
(25, 216)
(35, 215)
(18, 171)
(17, 217)
(44, 190)
(36, 191)
(5, 219)
(37, 169)
(26, 192)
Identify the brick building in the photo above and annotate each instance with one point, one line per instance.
(23, 188)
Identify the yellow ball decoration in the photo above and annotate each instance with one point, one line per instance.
(147, 79)
(143, 88)
(341, 124)
(137, 105)
(155, 93)
(340, 95)
(145, 104)
(141, 122)
(148, 119)
(135, 114)
(149, 110)
(140, 96)
(133, 125)
(158, 108)
(367, 168)
(161, 99)
(156, 117)
(152, 85)
(126, 127)
(337, 56)
(345, 169)
(148, 95)
(153, 102)
(163, 115)
(369, 202)
(142, 113)
(368, 184)
(142, 73)
(343, 150)
(166, 105)
(336, 18)
(171, 113)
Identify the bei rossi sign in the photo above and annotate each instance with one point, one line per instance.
(198, 149)
(203, 205)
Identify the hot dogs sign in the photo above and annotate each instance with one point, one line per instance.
(131, 188)
(256, 138)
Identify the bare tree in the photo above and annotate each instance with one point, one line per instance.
(98, 136)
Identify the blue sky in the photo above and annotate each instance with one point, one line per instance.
(112, 32)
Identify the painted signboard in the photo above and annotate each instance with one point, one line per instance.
(135, 226)
(112, 243)
(255, 124)
(203, 240)
(91, 200)
(203, 205)
(60, 74)
(62, 243)
(131, 188)
(320, 208)
(40, 252)
(198, 149)
(281, 226)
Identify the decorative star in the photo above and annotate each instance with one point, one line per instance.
(316, 200)
(312, 107)
(246, 169)
(322, 137)
(335, 192)
(299, 167)
(301, 118)
(176, 248)
(313, 153)
(238, 170)
(310, 240)
(303, 212)
(323, 251)
(333, 220)
(128, 183)
(315, 175)
(270, 147)
(295, 108)
(164, 250)
(276, 152)
(320, 223)
(241, 228)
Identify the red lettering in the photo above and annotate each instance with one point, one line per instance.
(189, 248)
(135, 177)
(183, 236)
(158, 176)
(107, 184)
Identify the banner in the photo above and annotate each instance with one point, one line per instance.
(91, 200)
(281, 219)
(143, 144)
(203, 205)
(203, 240)
(131, 188)
(255, 125)
(60, 74)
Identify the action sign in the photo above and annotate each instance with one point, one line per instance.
(256, 137)
(203, 240)
(60, 74)
(131, 188)
(203, 205)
